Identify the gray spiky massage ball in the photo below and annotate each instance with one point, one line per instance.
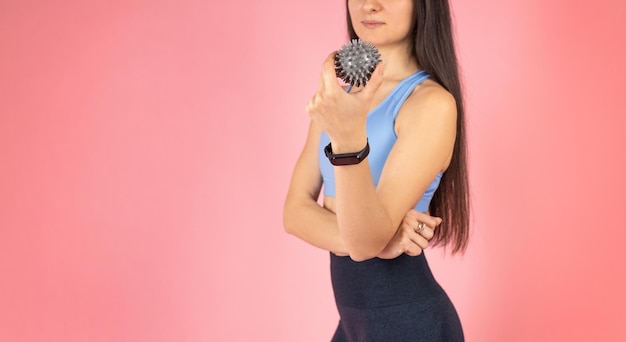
(355, 62)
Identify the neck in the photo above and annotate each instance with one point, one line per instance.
(398, 60)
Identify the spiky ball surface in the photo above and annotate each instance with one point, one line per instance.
(355, 62)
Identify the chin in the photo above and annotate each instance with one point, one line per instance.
(372, 39)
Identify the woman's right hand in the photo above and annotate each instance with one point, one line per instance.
(412, 236)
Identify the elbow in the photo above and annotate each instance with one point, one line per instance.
(288, 221)
(287, 227)
(365, 252)
(362, 247)
(361, 257)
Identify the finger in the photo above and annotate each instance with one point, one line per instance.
(419, 240)
(329, 76)
(427, 233)
(412, 249)
(424, 230)
(430, 221)
(375, 81)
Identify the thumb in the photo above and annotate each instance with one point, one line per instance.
(375, 81)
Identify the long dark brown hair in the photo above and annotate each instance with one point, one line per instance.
(435, 53)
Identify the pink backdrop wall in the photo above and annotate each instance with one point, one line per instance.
(146, 147)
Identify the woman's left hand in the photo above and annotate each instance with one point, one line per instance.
(412, 236)
(341, 115)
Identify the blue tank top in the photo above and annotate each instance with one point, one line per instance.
(382, 136)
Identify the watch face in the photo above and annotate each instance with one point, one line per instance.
(345, 161)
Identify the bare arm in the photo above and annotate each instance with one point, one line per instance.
(304, 218)
(368, 217)
(302, 215)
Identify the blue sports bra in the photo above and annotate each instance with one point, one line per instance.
(382, 136)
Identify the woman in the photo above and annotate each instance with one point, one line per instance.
(410, 119)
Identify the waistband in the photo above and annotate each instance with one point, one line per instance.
(382, 282)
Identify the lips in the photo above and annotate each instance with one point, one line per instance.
(372, 24)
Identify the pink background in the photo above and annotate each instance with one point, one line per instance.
(146, 148)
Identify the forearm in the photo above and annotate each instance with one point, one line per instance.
(363, 223)
(314, 224)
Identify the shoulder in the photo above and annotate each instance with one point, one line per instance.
(431, 95)
(429, 98)
(429, 103)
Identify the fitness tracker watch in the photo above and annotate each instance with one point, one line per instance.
(346, 158)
